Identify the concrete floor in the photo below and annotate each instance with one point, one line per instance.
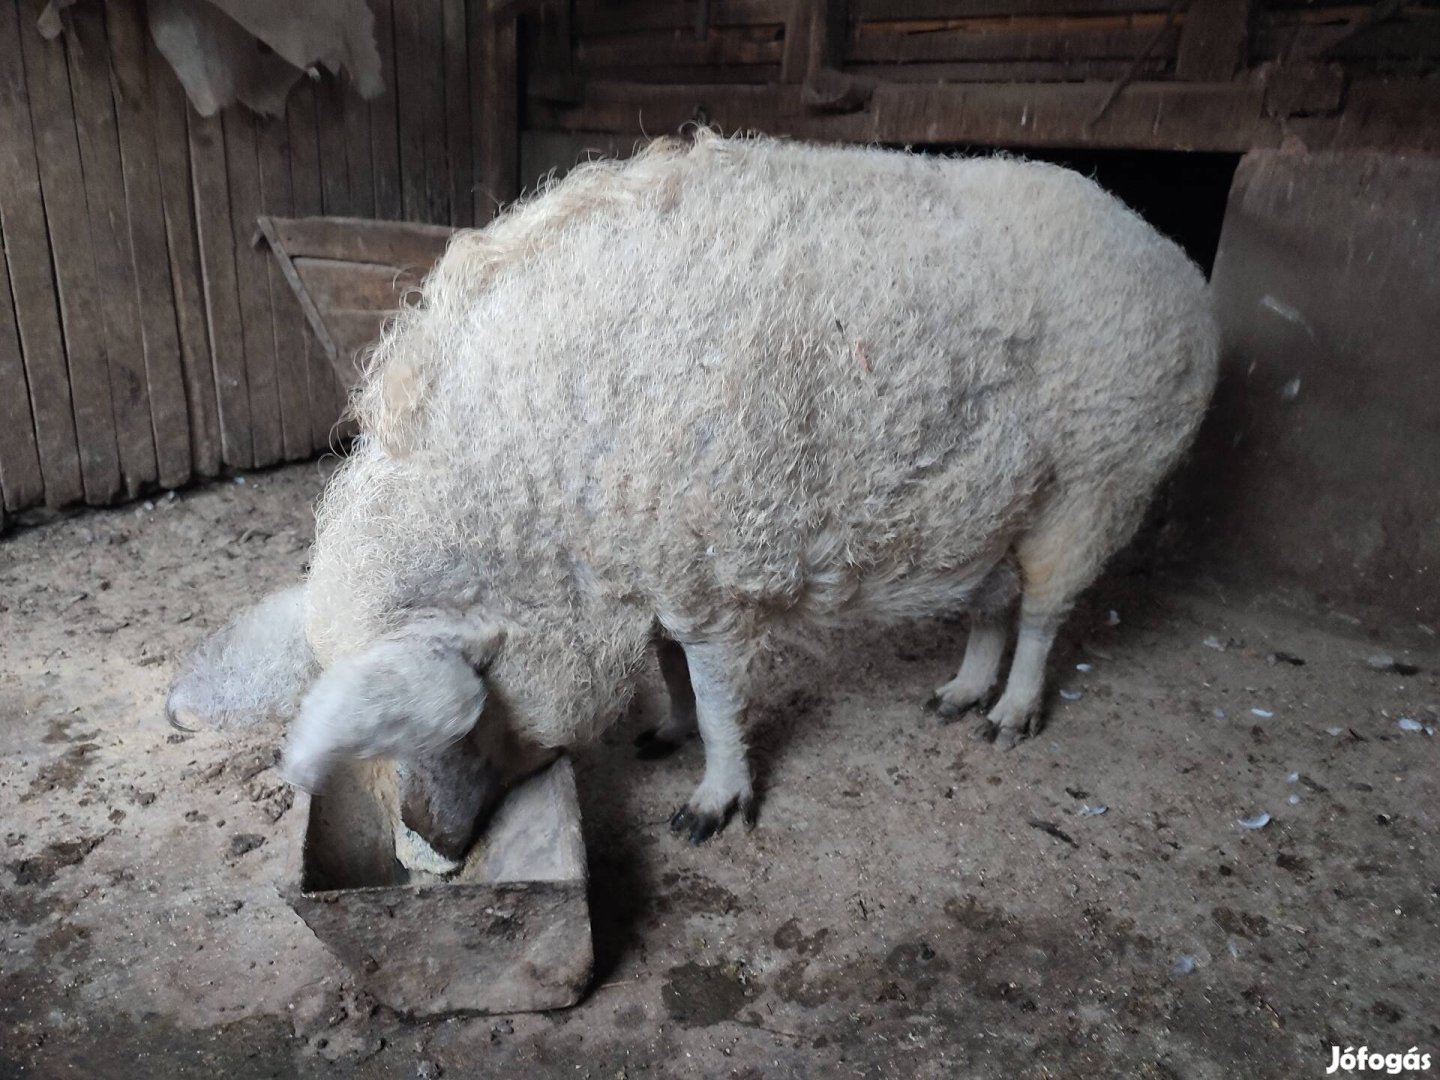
(911, 904)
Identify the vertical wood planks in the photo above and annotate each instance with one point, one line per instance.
(334, 154)
(88, 50)
(172, 152)
(410, 108)
(57, 152)
(459, 158)
(384, 132)
(272, 146)
(143, 338)
(305, 182)
(495, 113)
(30, 295)
(155, 292)
(21, 484)
(211, 185)
(432, 84)
(252, 286)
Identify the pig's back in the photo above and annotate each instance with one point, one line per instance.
(769, 371)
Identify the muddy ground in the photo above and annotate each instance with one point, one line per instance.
(912, 903)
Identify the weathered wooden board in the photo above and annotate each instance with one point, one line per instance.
(1159, 115)
(21, 484)
(413, 247)
(458, 147)
(1100, 38)
(252, 287)
(186, 278)
(349, 274)
(1212, 43)
(410, 58)
(110, 245)
(30, 294)
(509, 932)
(495, 115)
(272, 145)
(677, 48)
(216, 243)
(145, 216)
(384, 130)
(72, 258)
(326, 396)
(432, 89)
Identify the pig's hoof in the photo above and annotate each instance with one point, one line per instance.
(650, 745)
(699, 825)
(1013, 726)
(982, 729)
(952, 701)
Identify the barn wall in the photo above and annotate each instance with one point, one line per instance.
(1219, 75)
(145, 340)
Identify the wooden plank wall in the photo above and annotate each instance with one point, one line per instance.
(145, 340)
(1223, 75)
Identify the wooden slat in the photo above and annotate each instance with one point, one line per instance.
(457, 115)
(325, 394)
(216, 242)
(875, 10)
(172, 150)
(795, 59)
(432, 86)
(252, 283)
(353, 332)
(747, 45)
(349, 286)
(594, 17)
(384, 133)
(1004, 71)
(1101, 38)
(334, 153)
(135, 117)
(31, 289)
(21, 483)
(67, 219)
(86, 50)
(414, 247)
(495, 115)
(272, 145)
(1213, 40)
(753, 74)
(410, 59)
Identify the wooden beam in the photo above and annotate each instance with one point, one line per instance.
(1149, 115)
(1213, 40)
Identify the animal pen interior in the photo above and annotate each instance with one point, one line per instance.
(1218, 858)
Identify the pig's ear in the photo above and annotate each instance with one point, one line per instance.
(413, 692)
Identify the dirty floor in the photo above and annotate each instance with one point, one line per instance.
(912, 903)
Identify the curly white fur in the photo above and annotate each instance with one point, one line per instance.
(744, 386)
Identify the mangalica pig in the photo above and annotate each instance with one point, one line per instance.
(728, 391)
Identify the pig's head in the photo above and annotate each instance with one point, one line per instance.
(418, 694)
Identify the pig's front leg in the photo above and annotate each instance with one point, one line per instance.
(718, 675)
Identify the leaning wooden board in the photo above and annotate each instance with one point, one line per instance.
(350, 275)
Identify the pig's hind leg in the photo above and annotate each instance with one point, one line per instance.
(679, 725)
(718, 675)
(1059, 556)
(990, 609)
